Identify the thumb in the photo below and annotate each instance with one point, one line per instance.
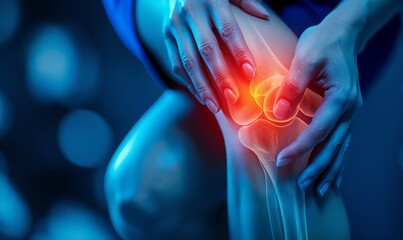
(292, 89)
(252, 7)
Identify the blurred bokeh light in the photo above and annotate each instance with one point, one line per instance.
(85, 138)
(6, 115)
(72, 221)
(9, 19)
(60, 68)
(15, 218)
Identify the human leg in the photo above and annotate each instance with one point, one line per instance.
(157, 181)
(254, 182)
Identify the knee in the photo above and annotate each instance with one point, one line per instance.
(150, 187)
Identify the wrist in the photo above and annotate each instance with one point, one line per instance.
(347, 21)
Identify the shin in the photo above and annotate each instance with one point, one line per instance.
(257, 130)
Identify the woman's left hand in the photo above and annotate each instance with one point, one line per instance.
(325, 60)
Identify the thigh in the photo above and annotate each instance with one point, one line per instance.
(165, 179)
(329, 212)
(149, 22)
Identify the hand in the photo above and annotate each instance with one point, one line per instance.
(324, 61)
(192, 44)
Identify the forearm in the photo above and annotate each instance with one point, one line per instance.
(362, 19)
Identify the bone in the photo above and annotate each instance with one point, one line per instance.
(266, 139)
(266, 136)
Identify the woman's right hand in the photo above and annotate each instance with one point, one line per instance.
(192, 44)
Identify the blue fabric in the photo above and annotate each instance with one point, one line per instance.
(120, 13)
(297, 14)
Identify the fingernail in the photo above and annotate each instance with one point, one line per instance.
(283, 161)
(230, 96)
(211, 106)
(281, 109)
(338, 182)
(248, 71)
(305, 184)
(323, 189)
(263, 10)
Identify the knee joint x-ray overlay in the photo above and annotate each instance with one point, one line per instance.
(266, 136)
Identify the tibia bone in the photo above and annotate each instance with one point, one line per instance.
(266, 140)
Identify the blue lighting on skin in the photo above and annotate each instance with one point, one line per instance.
(5, 115)
(69, 220)
(15, 218)
(9, 19)
(125, 151)
(60, 68)
(85, 138)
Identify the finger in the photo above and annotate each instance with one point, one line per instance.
(342, 153)
(253, 7)
(325, 155)
(211, 53)
(191, 62)
(322, 123)
(230, 32)
(177, 68)
(293, 87)
(328, 175)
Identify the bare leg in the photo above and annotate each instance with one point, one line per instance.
(258, 198)
(158, 179)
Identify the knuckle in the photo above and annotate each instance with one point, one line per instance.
(240, 54)
(336, 147)
(320, 134)
(291, 91)
(351, 98)
(308, 59)
(344, 99)
(220, 79)
(184, 8)
(202, 91)
(188, 64)
(228, 31)
(304, 56)
(206, 49)
(176, 68)
(172, 19)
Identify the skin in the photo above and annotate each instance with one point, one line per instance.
(191, 44)
(326, 59)
(141, 205)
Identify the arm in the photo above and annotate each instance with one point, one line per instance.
(191, 43)
(325, 59)
(272, 45)
(364, 17)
